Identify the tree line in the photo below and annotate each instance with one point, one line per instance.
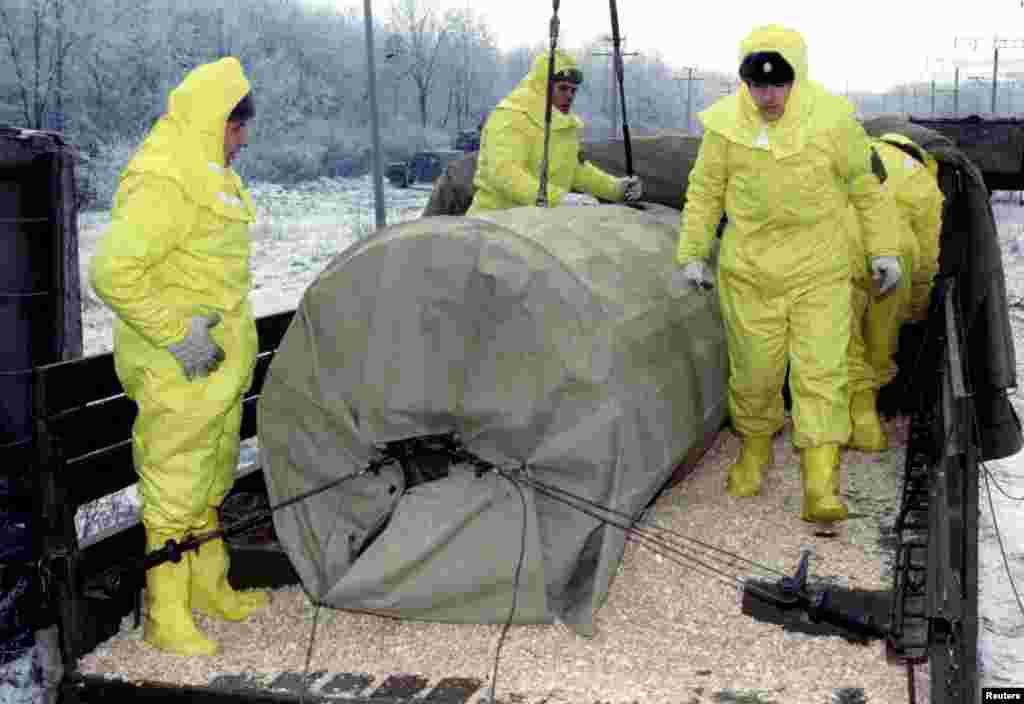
(100, 71)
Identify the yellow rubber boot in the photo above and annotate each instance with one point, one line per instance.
(868, 434)
(212, 594)
(746, 473)
(169, 625)
(820, 469)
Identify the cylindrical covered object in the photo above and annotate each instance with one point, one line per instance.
(561, 338)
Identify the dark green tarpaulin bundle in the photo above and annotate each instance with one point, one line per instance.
(561, 338)
(995, 146)
(663, 161)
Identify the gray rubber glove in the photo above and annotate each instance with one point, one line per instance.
(697, 273)
(198, 354)
(887, 273)
(632, 189)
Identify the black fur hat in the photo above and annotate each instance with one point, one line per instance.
(766, 67)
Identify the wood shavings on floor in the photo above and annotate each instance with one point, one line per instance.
(667, 633)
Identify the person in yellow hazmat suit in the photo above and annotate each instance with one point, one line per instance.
(174, 267)
(784, 158)
(512, 146)
(908, 174)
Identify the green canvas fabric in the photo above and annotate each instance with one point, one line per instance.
(561, 338)
(663, 161)
(995, 146)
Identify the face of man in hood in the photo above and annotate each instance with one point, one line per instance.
(236, 136)
(562, 95)
(770, 99)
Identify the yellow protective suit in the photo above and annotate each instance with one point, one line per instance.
(915, 230)
(920, 201)
(783, 272)
(512, 149)
(178, 246)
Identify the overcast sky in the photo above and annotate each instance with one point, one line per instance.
(872, 44)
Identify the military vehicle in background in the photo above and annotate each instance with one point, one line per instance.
(423, 167)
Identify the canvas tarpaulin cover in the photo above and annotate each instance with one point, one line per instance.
(663, 161)
(561, 338)
(994, 145)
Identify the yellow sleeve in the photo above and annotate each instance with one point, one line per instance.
(504, 165)
(705, 200)
(151, 218)
(875, 211)
(590, 179)
(925, 211)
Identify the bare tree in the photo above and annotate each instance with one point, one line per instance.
(419, 39)
(101, 70)
(39, 56)
(472, 52)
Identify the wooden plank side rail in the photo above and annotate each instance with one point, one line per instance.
(82, 452)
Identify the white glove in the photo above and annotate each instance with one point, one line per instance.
(887, 273)
(198, 354)
(697, 273)
(632, 189)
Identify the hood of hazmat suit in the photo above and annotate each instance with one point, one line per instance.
(914, 184)
(512, 148)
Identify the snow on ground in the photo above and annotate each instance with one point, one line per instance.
(298, 230)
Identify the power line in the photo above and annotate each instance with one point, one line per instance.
(689, 93)
(613, 94)
(997, 44)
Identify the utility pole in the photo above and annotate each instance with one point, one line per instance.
(995, 77)
(956, 91)
(997, 44)
(378, 162)
(689, 94)
(613, 84)
(222, 49)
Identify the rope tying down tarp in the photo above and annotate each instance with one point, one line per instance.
(718, 563)
(671, 545)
